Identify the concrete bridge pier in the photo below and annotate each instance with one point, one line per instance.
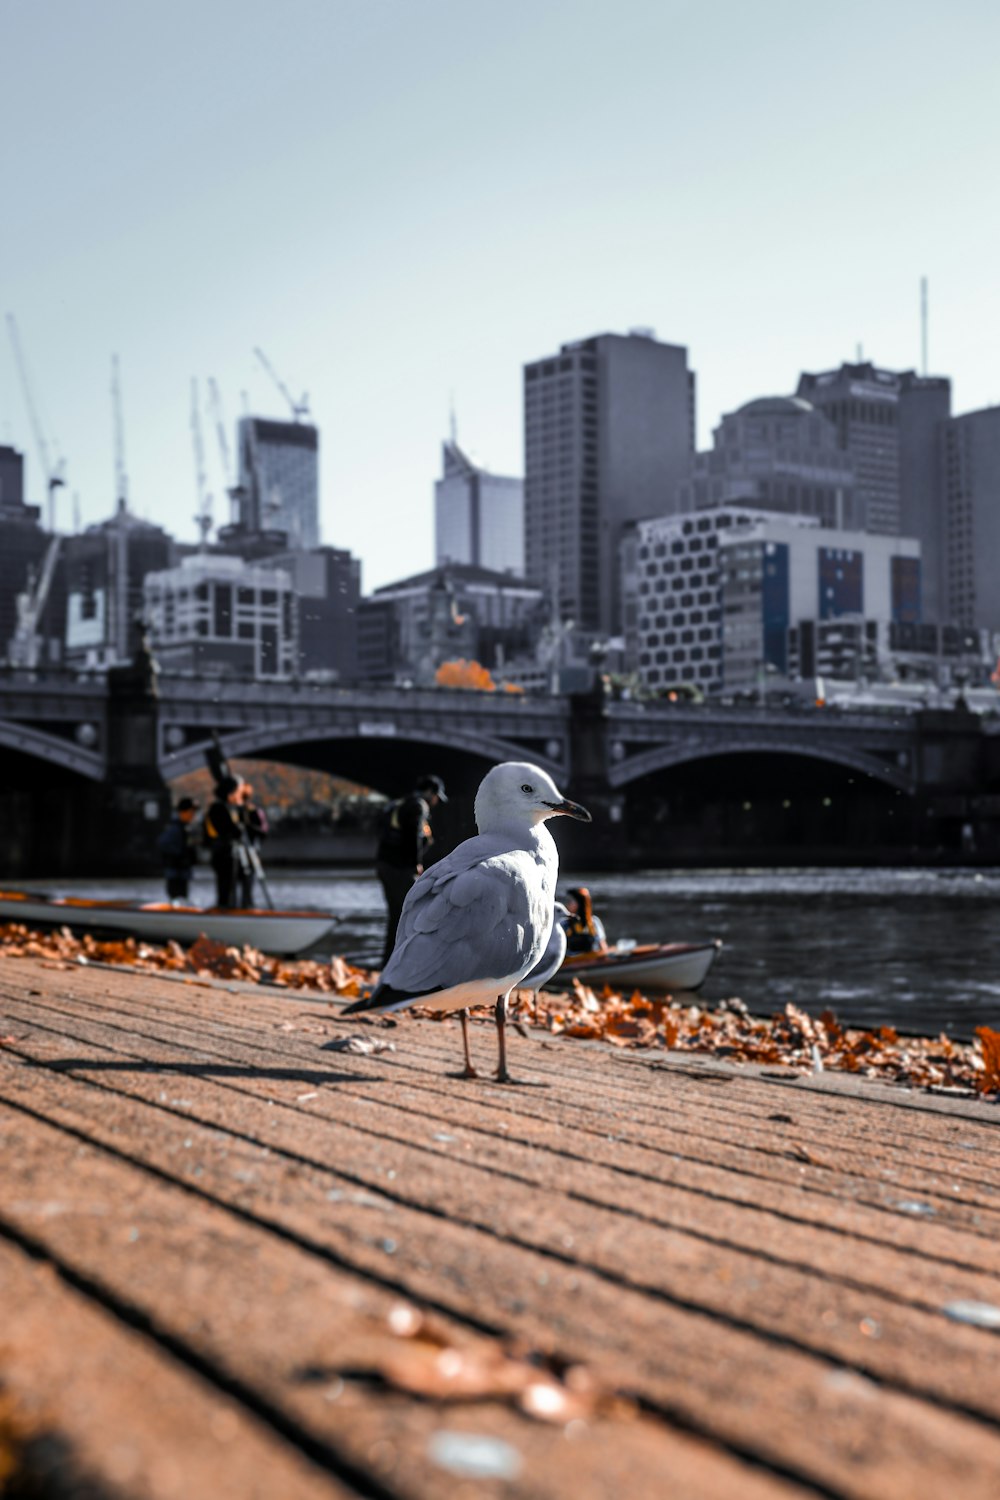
(134, 802)
(956, 762)
(603, 844)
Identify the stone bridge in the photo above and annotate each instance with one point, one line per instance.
(113, 734)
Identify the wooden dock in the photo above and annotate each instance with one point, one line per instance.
(237, 1263)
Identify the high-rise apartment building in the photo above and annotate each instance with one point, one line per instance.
(478, 516)
(972, 519)
(924, 409)
(887, 420)
(608, 437)
(779, 453)
(717, 592)
(222, 616)
(279, 479)
(327, 584)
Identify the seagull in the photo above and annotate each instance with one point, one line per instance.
(555, 951)
(477, 921)
(551, 960)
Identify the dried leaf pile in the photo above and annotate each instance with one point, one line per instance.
(205, 959)
(791, 1038)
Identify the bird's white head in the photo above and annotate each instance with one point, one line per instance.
(517, 794)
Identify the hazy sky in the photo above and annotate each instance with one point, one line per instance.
(403, 199)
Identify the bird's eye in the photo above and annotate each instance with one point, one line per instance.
(526, 788)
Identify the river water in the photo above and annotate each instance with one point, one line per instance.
(916, 949)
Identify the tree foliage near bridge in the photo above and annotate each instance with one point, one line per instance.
(291, 795)
(469, 674)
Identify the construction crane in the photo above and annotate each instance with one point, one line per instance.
(53, 472)
(234, 490)
(299, 408)
(26, 643)
(203, 519)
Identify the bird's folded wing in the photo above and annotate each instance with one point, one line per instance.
(478, 921)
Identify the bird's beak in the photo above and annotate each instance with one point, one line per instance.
(571, 809)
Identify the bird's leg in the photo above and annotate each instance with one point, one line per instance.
(470, 1071)
(501, 1018)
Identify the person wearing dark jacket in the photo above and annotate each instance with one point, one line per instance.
(178, 850)
(224, 836)
(404, 839)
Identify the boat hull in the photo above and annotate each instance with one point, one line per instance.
(278, 932)
(662, 968)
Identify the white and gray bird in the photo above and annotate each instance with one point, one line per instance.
(551, 960)
(478, 921)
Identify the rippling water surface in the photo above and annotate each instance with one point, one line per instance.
(917, 949)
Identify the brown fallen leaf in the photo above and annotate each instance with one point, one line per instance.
(800, 1153)
(989, 1040)
(420, 1357)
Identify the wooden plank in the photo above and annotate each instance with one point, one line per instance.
(416, 1271)
(933, 1206)
(93, 1405)
(924, 1128)
(718, 1245)
(280, 1329)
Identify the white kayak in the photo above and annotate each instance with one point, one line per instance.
(280, 932)
(644, 966)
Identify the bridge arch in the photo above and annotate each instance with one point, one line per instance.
(663, 757)
(27, 740)
(271, 739)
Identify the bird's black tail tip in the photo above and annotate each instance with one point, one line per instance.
(365, 1003)
(384, 997)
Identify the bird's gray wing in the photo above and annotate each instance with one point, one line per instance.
(470, 918)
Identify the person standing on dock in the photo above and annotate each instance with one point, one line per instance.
(255, 830)
(223, 832)
(178, 851)
(404, 838)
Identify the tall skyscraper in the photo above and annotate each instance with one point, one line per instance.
(924, 409)
(972, 526)
(478, 516)
(886, 420)
(608, 436)
(279, 479)
(779, 453)
(862, 402)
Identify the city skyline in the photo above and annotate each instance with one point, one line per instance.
(399, 231)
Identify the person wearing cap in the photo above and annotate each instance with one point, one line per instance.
(178, 851)
(223, 832)
(404, 837)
